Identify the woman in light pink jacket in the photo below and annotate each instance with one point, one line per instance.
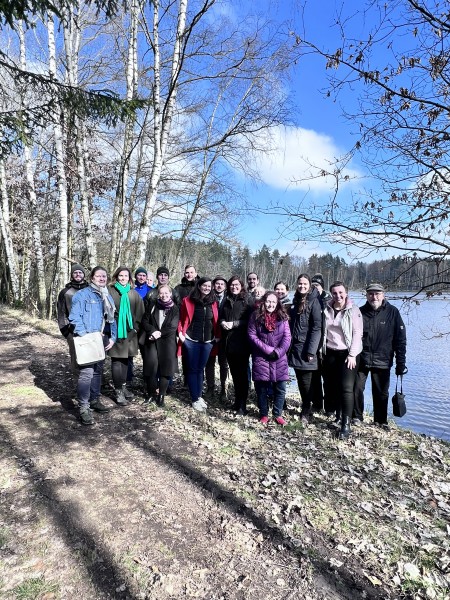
(342, 346)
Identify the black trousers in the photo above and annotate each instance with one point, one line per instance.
(380, 379)
(305, 383)
(238, 364)
(119, 370)
(210, 368)
(339, 381)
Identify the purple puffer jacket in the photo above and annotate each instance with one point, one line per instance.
(263, 343)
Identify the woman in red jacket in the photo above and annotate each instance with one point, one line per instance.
(198, 332)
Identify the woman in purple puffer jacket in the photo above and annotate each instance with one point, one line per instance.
(270, 338)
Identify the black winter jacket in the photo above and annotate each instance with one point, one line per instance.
(64, 304)
(384, 336)
(237, 310)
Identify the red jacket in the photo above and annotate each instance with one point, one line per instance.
(186, 314)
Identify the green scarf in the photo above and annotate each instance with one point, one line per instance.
(124, 317)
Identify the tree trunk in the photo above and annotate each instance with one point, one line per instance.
(6, 235)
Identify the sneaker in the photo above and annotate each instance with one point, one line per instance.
(357, 422)
(98, 406)
(202, 402)
(264, 420)
(280, 421)
(86, 416)
(198, 406)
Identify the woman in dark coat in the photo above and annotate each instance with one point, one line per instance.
(129, 313)
(306, 329)
(234, 317)
(159, 341)
(270, 338)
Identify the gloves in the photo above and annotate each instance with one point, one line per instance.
(401, 369)
(273, 355)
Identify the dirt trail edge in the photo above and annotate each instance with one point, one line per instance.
(164, 503)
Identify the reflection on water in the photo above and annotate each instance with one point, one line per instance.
(427, 384)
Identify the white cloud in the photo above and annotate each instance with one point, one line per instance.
(295, 158)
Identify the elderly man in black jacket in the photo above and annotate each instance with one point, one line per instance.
(384, 337)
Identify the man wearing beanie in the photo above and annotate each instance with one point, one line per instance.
(64, 304)
(220, 288)
(162, 277)
(140, 284)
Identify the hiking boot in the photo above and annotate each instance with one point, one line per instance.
(199, 406)
(159, 400)
(86, 416)
(127, 392)
(357, 422)
(98, 406)
(280, 421)
(264, 420)
(384, 426)
(120, 396)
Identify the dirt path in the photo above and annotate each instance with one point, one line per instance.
(166, 503)
(117, 510)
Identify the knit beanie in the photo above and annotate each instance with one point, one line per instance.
(77, 267)
(318, 278)
(140, 270)
(162, 270)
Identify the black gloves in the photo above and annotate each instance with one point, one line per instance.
(401, 369)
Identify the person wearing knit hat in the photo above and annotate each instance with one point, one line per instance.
(219, 287)
(64, 304)
(140, 283)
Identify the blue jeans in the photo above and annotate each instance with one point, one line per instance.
(278, 389)
(197, 354)
(89, 383)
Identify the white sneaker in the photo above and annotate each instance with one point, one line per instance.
(202, 402)
(198, 406)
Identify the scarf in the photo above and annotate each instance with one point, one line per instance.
(165, 306)
(270, 321)
(124, 317)
(108, 306)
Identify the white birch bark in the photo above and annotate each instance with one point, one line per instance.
(6, 235)
(124, 171)
(63, 264)
(29, 174)
(163, 114)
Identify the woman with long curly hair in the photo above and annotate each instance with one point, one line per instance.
(270, 338)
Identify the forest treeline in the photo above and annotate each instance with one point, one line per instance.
(214, 258)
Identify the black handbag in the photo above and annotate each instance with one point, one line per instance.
(398, 400)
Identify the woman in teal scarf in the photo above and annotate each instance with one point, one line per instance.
(129, 313)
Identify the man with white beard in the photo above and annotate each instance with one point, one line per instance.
(384, 337)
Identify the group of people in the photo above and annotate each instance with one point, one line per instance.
(322, 337)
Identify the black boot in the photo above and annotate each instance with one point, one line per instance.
(345, 428)
(160, 400)
(337, 421)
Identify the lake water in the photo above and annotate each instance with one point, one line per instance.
(427, 383)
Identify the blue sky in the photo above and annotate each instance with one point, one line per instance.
(319, 134)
